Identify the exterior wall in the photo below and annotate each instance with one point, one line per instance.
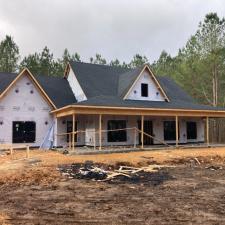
(75, 86)
(90, 124)
(158, 129)
(24, 106)
(135, 92)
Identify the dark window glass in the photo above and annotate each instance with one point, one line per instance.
(69, 129)
(191, 130)
(24, 132)
(169, 130)
(144, 90)
(119, 135)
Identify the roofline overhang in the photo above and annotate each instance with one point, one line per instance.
(112, 110)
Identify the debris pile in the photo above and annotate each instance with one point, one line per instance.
(212, 167)
(114, 174)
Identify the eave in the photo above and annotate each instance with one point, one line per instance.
(106, 110)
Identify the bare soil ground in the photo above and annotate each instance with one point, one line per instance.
(34, 192)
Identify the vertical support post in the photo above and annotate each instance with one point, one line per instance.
(142, 132)
(207, 131)
(70, 146)
(177, 132)
(100, 131)
(135, 137)
(94, 140)
(73, 133)
(28, 152)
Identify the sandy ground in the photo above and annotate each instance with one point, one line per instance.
(32, 191)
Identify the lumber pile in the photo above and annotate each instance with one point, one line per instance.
(111, 174)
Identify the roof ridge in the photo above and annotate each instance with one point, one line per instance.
(103, 65)
(12, 73)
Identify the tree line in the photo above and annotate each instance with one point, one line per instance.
(44, 62)
(199, 66)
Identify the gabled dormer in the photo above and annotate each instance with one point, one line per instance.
(89, 81)
(145, 87)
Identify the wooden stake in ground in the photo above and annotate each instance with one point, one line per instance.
(28, 152)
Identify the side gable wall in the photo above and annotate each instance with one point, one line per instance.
(24, 106)
(75, 86)
(135, 92)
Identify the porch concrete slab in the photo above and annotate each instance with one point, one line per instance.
(89, 151)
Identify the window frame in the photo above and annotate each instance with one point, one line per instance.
(189, 135)
(172, 129)
(24, 132)
(116, 136)
(144, 90)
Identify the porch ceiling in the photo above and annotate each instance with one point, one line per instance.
(96, 110)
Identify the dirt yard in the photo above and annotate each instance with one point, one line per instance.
(33, 191)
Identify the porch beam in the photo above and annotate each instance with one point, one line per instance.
(142, 132)
(73, 134)
(177, 131)
(137, 111)
(207, 131)
(100, 131)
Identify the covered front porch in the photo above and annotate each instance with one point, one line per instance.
(113, 129)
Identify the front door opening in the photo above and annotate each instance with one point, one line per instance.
(191, 130)
(24, 132)
(69, 129)
(147, 129)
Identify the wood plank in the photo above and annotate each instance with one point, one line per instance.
(142, 132)
(177, 131)
(100, 131)
(96, 110)
(207, 130)
(73, 133)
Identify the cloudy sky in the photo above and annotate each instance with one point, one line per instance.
(113, 28)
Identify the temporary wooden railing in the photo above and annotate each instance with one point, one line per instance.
(148, 135)
(13, 147)
(136, 131)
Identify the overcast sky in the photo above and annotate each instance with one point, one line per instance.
(113, 28)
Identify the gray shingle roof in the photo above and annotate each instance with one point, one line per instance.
(98, 79)
(5, 80)
(106, 86)
(118, 102)
(57, 88)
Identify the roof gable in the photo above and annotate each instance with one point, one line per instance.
(157, 84)
(26, 72)
(152, 91)
(55, 90)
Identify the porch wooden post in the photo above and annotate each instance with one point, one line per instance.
(142, 132)
(70, 147)
(100, 131)
(135, 137)
(73, 134)
(207, 131)
(177, 131)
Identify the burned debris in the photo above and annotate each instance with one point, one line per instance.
(151, 174)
